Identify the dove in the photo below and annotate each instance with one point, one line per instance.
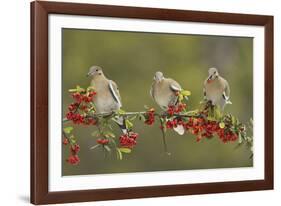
(216, 89)
(163, 91)
(107, 99)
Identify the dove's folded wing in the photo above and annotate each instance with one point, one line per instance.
(227, 89)
(115, 92)
(174, 86)
(152, 90)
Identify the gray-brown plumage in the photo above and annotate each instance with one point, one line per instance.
(108, 98)
(163, 91)
(216, 89)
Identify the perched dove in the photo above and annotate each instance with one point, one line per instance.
(163, 91)
(107, 99)
(216, 89)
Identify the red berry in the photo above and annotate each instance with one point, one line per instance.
(134, 135)
(77, 96)
(73, 159)
(128, 141)
(102, 141)
(150, 117)
(75, 149)
(65, 141)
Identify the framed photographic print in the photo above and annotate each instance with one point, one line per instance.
(133, 102)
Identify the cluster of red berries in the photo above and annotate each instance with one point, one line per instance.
(210, 127)
(102, 141)
(81, 104)
(206, 128)
(86, 97)
(227, 136)
(73, 159)
(74, 149)
(175, 109)
(195, 125)
(128, 140)
(150, 117)
(76, 118)
(73, 106)
(174, 123)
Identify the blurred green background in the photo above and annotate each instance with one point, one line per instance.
(131, 59)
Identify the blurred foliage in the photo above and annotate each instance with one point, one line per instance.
(131, 60)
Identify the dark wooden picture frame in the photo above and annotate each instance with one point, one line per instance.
(39, 102)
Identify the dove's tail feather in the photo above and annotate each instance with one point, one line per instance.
(179, 129)
(122, 125)
(228, 102)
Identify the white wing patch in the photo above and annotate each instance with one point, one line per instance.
(226, 98)
(115, 96)
(151, 92)
(175, 88)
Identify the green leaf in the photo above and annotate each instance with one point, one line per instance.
(249, 139)
(107, 148)
(240, 138)
(180, 97)
(67, 130)
(79, 89)
(72, 90)
(146, 107)
(217, 113)
(90, 88)
(95, 133)
(121, 111)
(129, 124)
(72, 140)
(125, 150)
(119, 154)
(162, 121)
(133, 118)
(233, 120)
(96, 146)
(185, 93)
(193, 112)
(210, 118)
(109, 134)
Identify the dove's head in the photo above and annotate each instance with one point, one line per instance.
(213, 74)
(94, 71)
(158, 77)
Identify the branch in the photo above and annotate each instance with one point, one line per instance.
(164, 136)
(163, 114)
